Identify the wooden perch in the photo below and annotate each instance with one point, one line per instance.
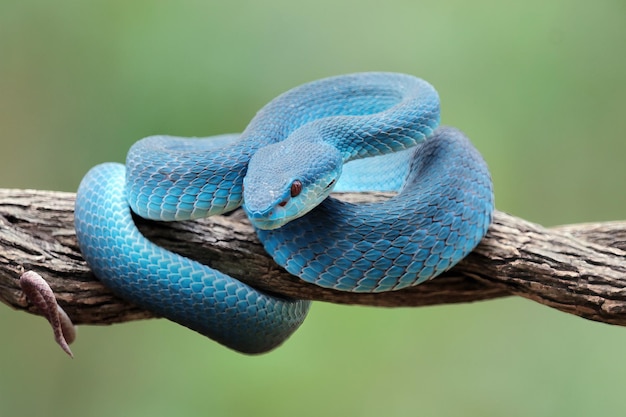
(579, 269)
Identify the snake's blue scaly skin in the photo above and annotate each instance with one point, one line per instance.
(438, 218)
(303, 136)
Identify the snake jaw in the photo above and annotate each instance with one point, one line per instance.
(268, 221)
(282, 210)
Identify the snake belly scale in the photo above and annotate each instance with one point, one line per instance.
(282, 169)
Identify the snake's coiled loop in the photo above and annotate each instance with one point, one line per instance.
(441, 213)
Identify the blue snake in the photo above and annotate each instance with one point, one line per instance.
(282, 168)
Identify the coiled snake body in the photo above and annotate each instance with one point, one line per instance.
(283, 166)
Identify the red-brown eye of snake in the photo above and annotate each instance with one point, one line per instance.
(296, 188)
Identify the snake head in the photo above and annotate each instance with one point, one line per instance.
(286, 180)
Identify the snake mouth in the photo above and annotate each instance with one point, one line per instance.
(272, 217)
(269, 221)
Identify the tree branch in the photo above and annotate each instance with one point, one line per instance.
(579, 269)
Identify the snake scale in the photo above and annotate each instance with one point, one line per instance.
(282, 168)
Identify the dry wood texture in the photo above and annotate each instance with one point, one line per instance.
(579, 269)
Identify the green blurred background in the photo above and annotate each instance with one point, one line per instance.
(539, 87)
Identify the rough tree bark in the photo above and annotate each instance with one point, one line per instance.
(579, 269)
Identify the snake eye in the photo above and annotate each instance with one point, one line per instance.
(296, 188)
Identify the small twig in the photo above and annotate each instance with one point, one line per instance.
(39, 293)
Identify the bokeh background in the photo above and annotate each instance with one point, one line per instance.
(538, 86)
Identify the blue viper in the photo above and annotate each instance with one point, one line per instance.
(282, 169)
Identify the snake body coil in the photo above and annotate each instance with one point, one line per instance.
(290, 157)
